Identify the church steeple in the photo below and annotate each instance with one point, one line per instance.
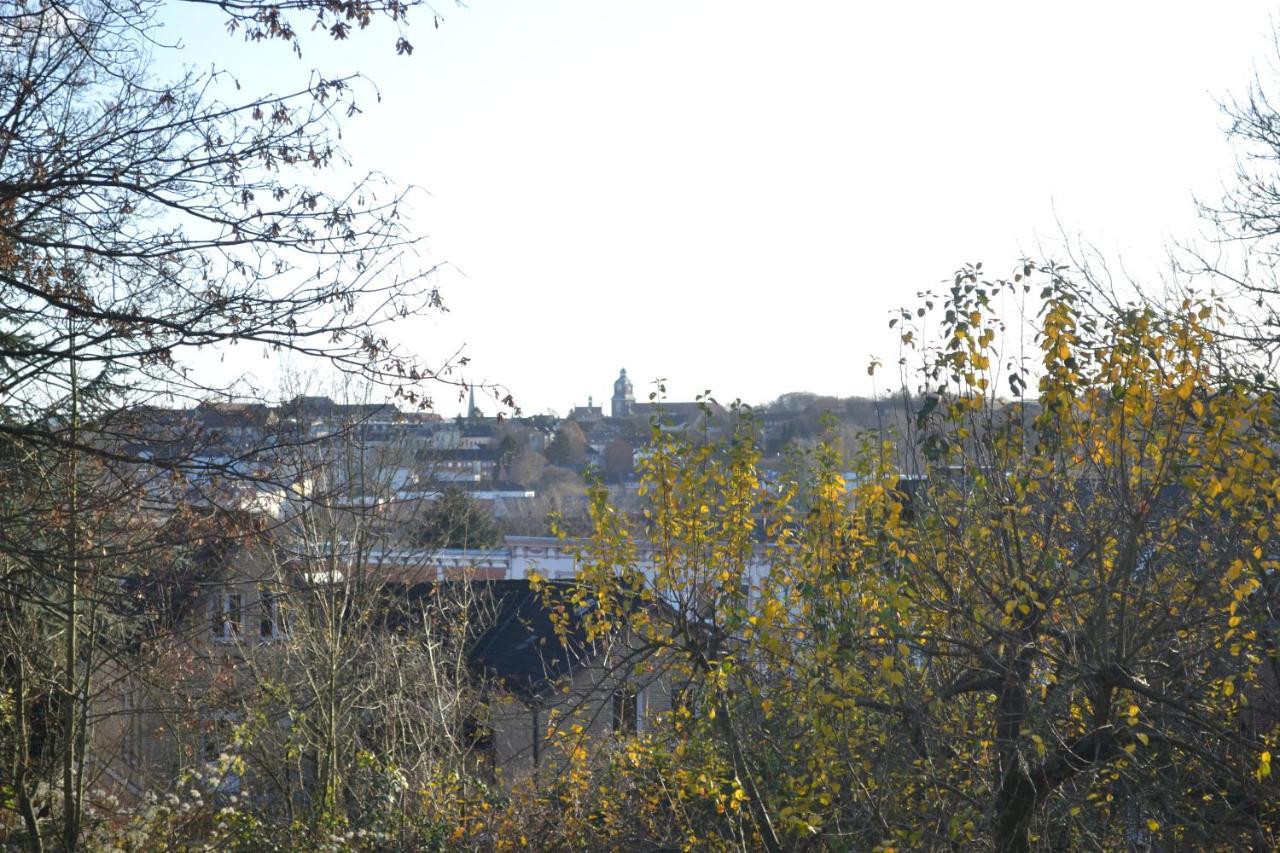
(472, 411)
(623, 396)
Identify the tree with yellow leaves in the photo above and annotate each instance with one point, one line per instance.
(1081, 598)
(1041, 618)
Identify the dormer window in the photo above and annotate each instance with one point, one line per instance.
(226, 615)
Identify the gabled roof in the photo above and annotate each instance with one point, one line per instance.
(518, 646)
(521, 648)
(679, 412)
(457, 454)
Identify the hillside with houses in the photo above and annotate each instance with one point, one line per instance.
(1011, 584)
(520, 470)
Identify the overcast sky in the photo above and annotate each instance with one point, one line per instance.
(733, 195)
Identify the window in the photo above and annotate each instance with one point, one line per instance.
(682, 699)
(218, 732)
(270, 624)
(626, 706)
(537, 737)
(478, 737)
(225, 615)
(129, 746)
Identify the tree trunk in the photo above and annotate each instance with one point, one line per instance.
(70, 685)
(759, 810)
(22, 757)
(1015, 799)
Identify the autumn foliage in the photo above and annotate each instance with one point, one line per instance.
(1043, 613)
(1038, 621)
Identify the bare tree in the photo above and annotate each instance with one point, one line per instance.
(364, 692)
(144, 219)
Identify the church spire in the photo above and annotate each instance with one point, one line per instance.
(623, 396)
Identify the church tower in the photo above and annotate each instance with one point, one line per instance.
(623, 396)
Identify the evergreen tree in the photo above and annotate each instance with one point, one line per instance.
(456, 520)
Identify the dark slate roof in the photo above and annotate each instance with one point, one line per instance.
(519, 647)
(544, 423)
(326, 407)
(458, 454)
(676, 411)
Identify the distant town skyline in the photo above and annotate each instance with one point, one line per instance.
(734, 196)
